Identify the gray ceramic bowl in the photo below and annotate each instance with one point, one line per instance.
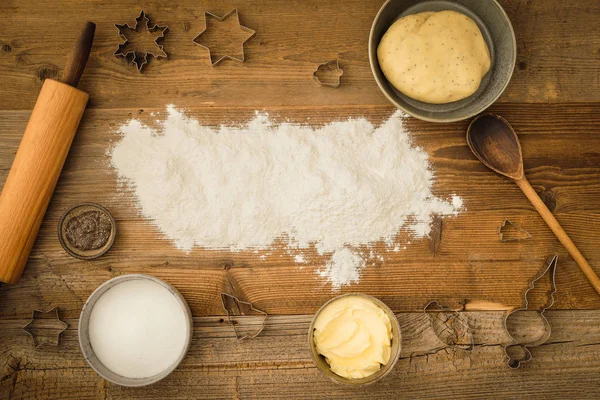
(88, 351)
(322, 364)
(497, 32)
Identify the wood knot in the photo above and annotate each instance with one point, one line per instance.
(6, 48)
(435, 236)
(522, 65)
(47, 72)
(549, 199)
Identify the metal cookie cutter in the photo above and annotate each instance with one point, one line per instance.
(235, 306)
(140, 57)
(328, 68)
(450, 326)
(518, 232)
(518, 351)
(250, 34)
(45, 327)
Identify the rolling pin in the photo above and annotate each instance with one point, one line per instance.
(40, 159)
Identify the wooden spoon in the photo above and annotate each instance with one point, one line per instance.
(495, 143)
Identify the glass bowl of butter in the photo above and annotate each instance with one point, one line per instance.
(355, 339)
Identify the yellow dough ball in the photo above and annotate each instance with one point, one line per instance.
(434, 57)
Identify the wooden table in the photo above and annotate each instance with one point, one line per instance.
(553, 102)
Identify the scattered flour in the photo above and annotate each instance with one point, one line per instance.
(457, 202)
(336, 186)
(299, 259)
(343, 269)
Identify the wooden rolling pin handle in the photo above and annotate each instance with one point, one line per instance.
(39, 160)
(559, 232)
(78, 57)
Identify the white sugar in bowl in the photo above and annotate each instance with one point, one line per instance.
(134, 330)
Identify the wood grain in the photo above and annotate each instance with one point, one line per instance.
(277, 364)
(35, 172)
(470, 265)
(553, 102)
(558, 52)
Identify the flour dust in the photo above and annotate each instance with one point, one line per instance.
(335, 187)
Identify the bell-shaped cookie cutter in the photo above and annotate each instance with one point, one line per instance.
(332, 67)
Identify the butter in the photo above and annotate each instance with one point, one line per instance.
(354, 335)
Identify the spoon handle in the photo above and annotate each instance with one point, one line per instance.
(559, 232)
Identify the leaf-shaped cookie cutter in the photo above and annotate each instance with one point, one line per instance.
(225, 298)
(549, 268)
(435, 307)
(144, 58)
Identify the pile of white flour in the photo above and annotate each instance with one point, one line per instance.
(241, 187)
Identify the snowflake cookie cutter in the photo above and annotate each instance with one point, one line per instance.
(518, 352)
(328, 68)
(140, 58)
(250, 32)
(234, 306)
(45, 327)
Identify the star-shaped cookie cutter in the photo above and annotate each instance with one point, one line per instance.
(143, 60)
(251, 33)
(45, 327)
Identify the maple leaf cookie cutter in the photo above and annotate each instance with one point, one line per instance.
(233, 306)
(251, 33)
(140, 58)
(523, 348)
(40, 332)
(330, 67)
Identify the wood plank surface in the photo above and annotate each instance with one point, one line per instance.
(558, 52)
(553, 101)
(470, 264)
(277, 364)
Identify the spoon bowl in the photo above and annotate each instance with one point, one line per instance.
(494, 141)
